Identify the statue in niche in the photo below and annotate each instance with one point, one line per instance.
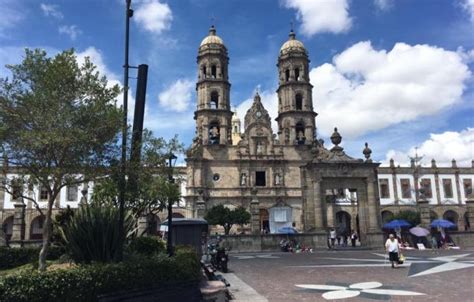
(287, 135)
(300, 137)
(214, 135)
(259, 148)
(277, 179)
(243, 179)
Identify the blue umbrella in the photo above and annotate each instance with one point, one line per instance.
(396, 224)
(287, 230)
(442, 223)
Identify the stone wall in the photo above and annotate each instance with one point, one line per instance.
(271, 242)
(463, 239)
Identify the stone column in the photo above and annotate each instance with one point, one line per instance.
(255, 212)
(223, 135)
(437, 184)
(142, 225)
(470, 212)
(424, 208)
(200, 207)
(330, 214)
(395, 187)
(362, 209)
(308, 207)
(318, 206)
(18, 223)
(372, 205)
(308, 134)
(458, 186)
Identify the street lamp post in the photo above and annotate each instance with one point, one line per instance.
(171, 161)
(123, 160)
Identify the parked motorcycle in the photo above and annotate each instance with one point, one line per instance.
(219, 257)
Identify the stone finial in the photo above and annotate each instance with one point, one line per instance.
(212, 30)
(367, 151)
(392, 163)
(454, 164)
(433, 163)
(292, 34)
(256, 98)
(336, 138)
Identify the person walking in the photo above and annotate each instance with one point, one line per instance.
(353, 238)
(332, 235)
(393, 249)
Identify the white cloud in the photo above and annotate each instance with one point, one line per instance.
(178, 96)
(366, 89)
(12, 15)
(50, 10)
(442, 147)
(321, 15)
(468, 6)
(269, 100)
(71, 30)
(384, 5)
(153, 16)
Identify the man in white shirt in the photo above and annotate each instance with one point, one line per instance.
(332, 235)
(391, 246)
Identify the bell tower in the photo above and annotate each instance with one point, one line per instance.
(296, 117)
(213, 114)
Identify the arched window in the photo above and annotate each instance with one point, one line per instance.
(299, 102)
(214, 133)
(204, 71)
(300, 138)
(214, 71)
(297, 74)
(287, 75)
(214, 100)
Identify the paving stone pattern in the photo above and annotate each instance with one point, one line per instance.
(368, 272)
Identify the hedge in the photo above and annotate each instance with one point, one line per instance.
(13, 257)
(87, 282)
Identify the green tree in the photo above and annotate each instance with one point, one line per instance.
(220, 215)
(241, 216)
(59, 124)
(149, 189)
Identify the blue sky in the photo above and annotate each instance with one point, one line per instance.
(394, 73)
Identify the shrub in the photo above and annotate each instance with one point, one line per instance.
(147, 245)
(92, 234)
(86, 282)
(13, 257)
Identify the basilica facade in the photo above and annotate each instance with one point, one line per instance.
(284, 179)
(289, 178)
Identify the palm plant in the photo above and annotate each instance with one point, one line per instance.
(92, 234)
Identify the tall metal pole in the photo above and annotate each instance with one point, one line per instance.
(123, 162)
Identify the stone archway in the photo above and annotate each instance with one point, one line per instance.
(433, 215)
(386, 216)
(36, 229)
(453, 217)
(153, 224)
(177, 215)
(7, 227)
(343, 223)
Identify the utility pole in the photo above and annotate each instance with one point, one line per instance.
(123, 161)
